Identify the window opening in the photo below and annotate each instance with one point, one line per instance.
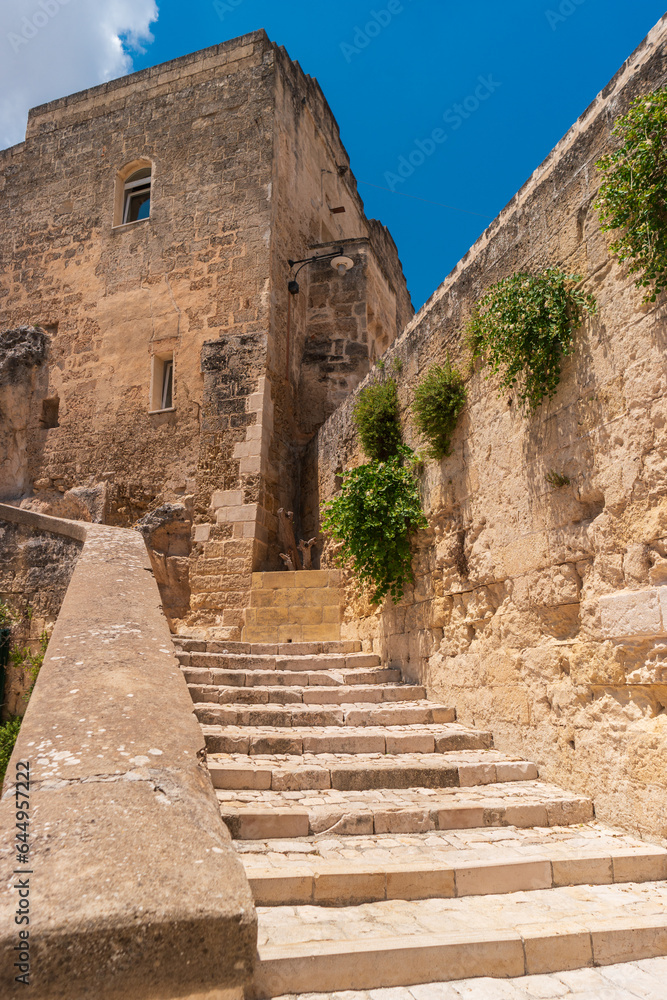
(137, 196)
(167, 385)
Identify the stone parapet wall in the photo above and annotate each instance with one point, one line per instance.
(135, 887)
(536, 610)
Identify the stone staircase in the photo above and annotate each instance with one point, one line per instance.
(388, 845)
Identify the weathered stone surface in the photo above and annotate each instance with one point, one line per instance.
(139, 893)
(35, 570)
(538, 611)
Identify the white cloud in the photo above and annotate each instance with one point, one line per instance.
(52, 48)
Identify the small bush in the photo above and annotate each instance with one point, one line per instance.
(523, 325)
(376, 417)
(8, 733)
(557, 479)
(633, 193)
(374, 516)
(439, 399)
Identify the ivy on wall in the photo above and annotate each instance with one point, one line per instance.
(439, 398)
(524, 325)
(633, 194)
(376, 418)
(374, 516)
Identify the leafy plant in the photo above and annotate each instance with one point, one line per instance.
(23, 658)
(439, 398)
(557, 480)
(633, 194)
(523, 325)
(8, 734)
(374, 515)
(376, 417)
(7, 616)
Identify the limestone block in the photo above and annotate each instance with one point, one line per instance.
(227, 498)
(631, 613)
(201, 532)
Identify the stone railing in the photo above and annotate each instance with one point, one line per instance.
(134, 888)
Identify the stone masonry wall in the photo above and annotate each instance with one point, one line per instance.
(113, 297)
(536, 610)
(35, 570)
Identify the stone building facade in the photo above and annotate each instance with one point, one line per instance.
(239, 157)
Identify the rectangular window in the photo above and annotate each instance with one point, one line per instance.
(162, 383)
(167, 384)
(137, 197)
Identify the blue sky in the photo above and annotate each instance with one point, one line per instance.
(427, 58)
(535, 65)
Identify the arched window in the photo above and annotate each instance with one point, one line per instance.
(133, 193)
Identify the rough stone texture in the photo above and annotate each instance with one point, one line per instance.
(139, 894)
(23, 353)
(509, 616)
(167, 533)
(247, 165)
(35, 570)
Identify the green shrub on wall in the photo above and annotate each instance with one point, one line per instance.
(522, 327)
(633, 194)
(439, 399)
(8, 734)
(374, 515)
(376, 417)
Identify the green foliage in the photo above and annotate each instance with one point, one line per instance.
(373, 516)
(633, 194)
(439, 398)
(8, 733)
(23, 658)
(7, 616)
(557, 480)
(523, 325)
(376, 417)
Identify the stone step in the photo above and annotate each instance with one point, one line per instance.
(407, 942)
(644, 979)
(262, 815)
(364, 771)
(444, 865)
(253, 661)
(290, 678)
(293, 695)
(350, 739)
(340, 647)
(359, 715)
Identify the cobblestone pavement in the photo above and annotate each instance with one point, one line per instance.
(646, 980)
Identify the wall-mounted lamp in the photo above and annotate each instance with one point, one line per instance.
(339, 262)
(342, 265)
